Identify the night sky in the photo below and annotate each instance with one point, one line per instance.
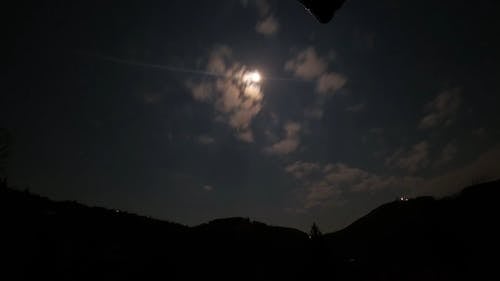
(156, 107)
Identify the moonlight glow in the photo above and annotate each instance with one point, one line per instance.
(252, 77)
(251, 85)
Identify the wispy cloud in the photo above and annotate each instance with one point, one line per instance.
(483, 168)
(290, 141)
(320, 193)
(330, 83)
(356, 108)
(302, 170)
(442, 110)
(310, 66)
(324, 185)
(267, 24)
(307, 64)
(411, 160)
(206, 140)
(237, 101)
(314, 112)
(447, 154)
(201, 91)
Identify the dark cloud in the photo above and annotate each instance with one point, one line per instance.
(206, 140)
(325, 185)
(448, 153)
(356, 108)
(442, 110)
(411, 160)
(485, 167)
(263, 7)
(302, 170)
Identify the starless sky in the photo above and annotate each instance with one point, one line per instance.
(143, 105)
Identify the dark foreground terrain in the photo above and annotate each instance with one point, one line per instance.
(454, 238)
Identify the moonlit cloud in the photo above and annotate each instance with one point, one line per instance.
(267, 26)
(234, 96)
(217, 62)
(330, 83)
(310, 66)
(245, 136)
(289, 143)
(412, 160)
(324, 185)
(302, 170)
(320, 194)
(341, 173)
(307, 64)
(252, 99)
(201, 91)
(442, 110)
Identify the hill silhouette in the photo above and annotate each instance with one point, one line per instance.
(423, 238)
(418, 239)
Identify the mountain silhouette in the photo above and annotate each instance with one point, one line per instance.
(423, 238)
(453, 238)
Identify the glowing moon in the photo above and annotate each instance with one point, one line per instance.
(255, 77)
(251, 85)
(252, 77)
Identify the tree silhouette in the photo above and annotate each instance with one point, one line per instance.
(318, 251)
(315, 233)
